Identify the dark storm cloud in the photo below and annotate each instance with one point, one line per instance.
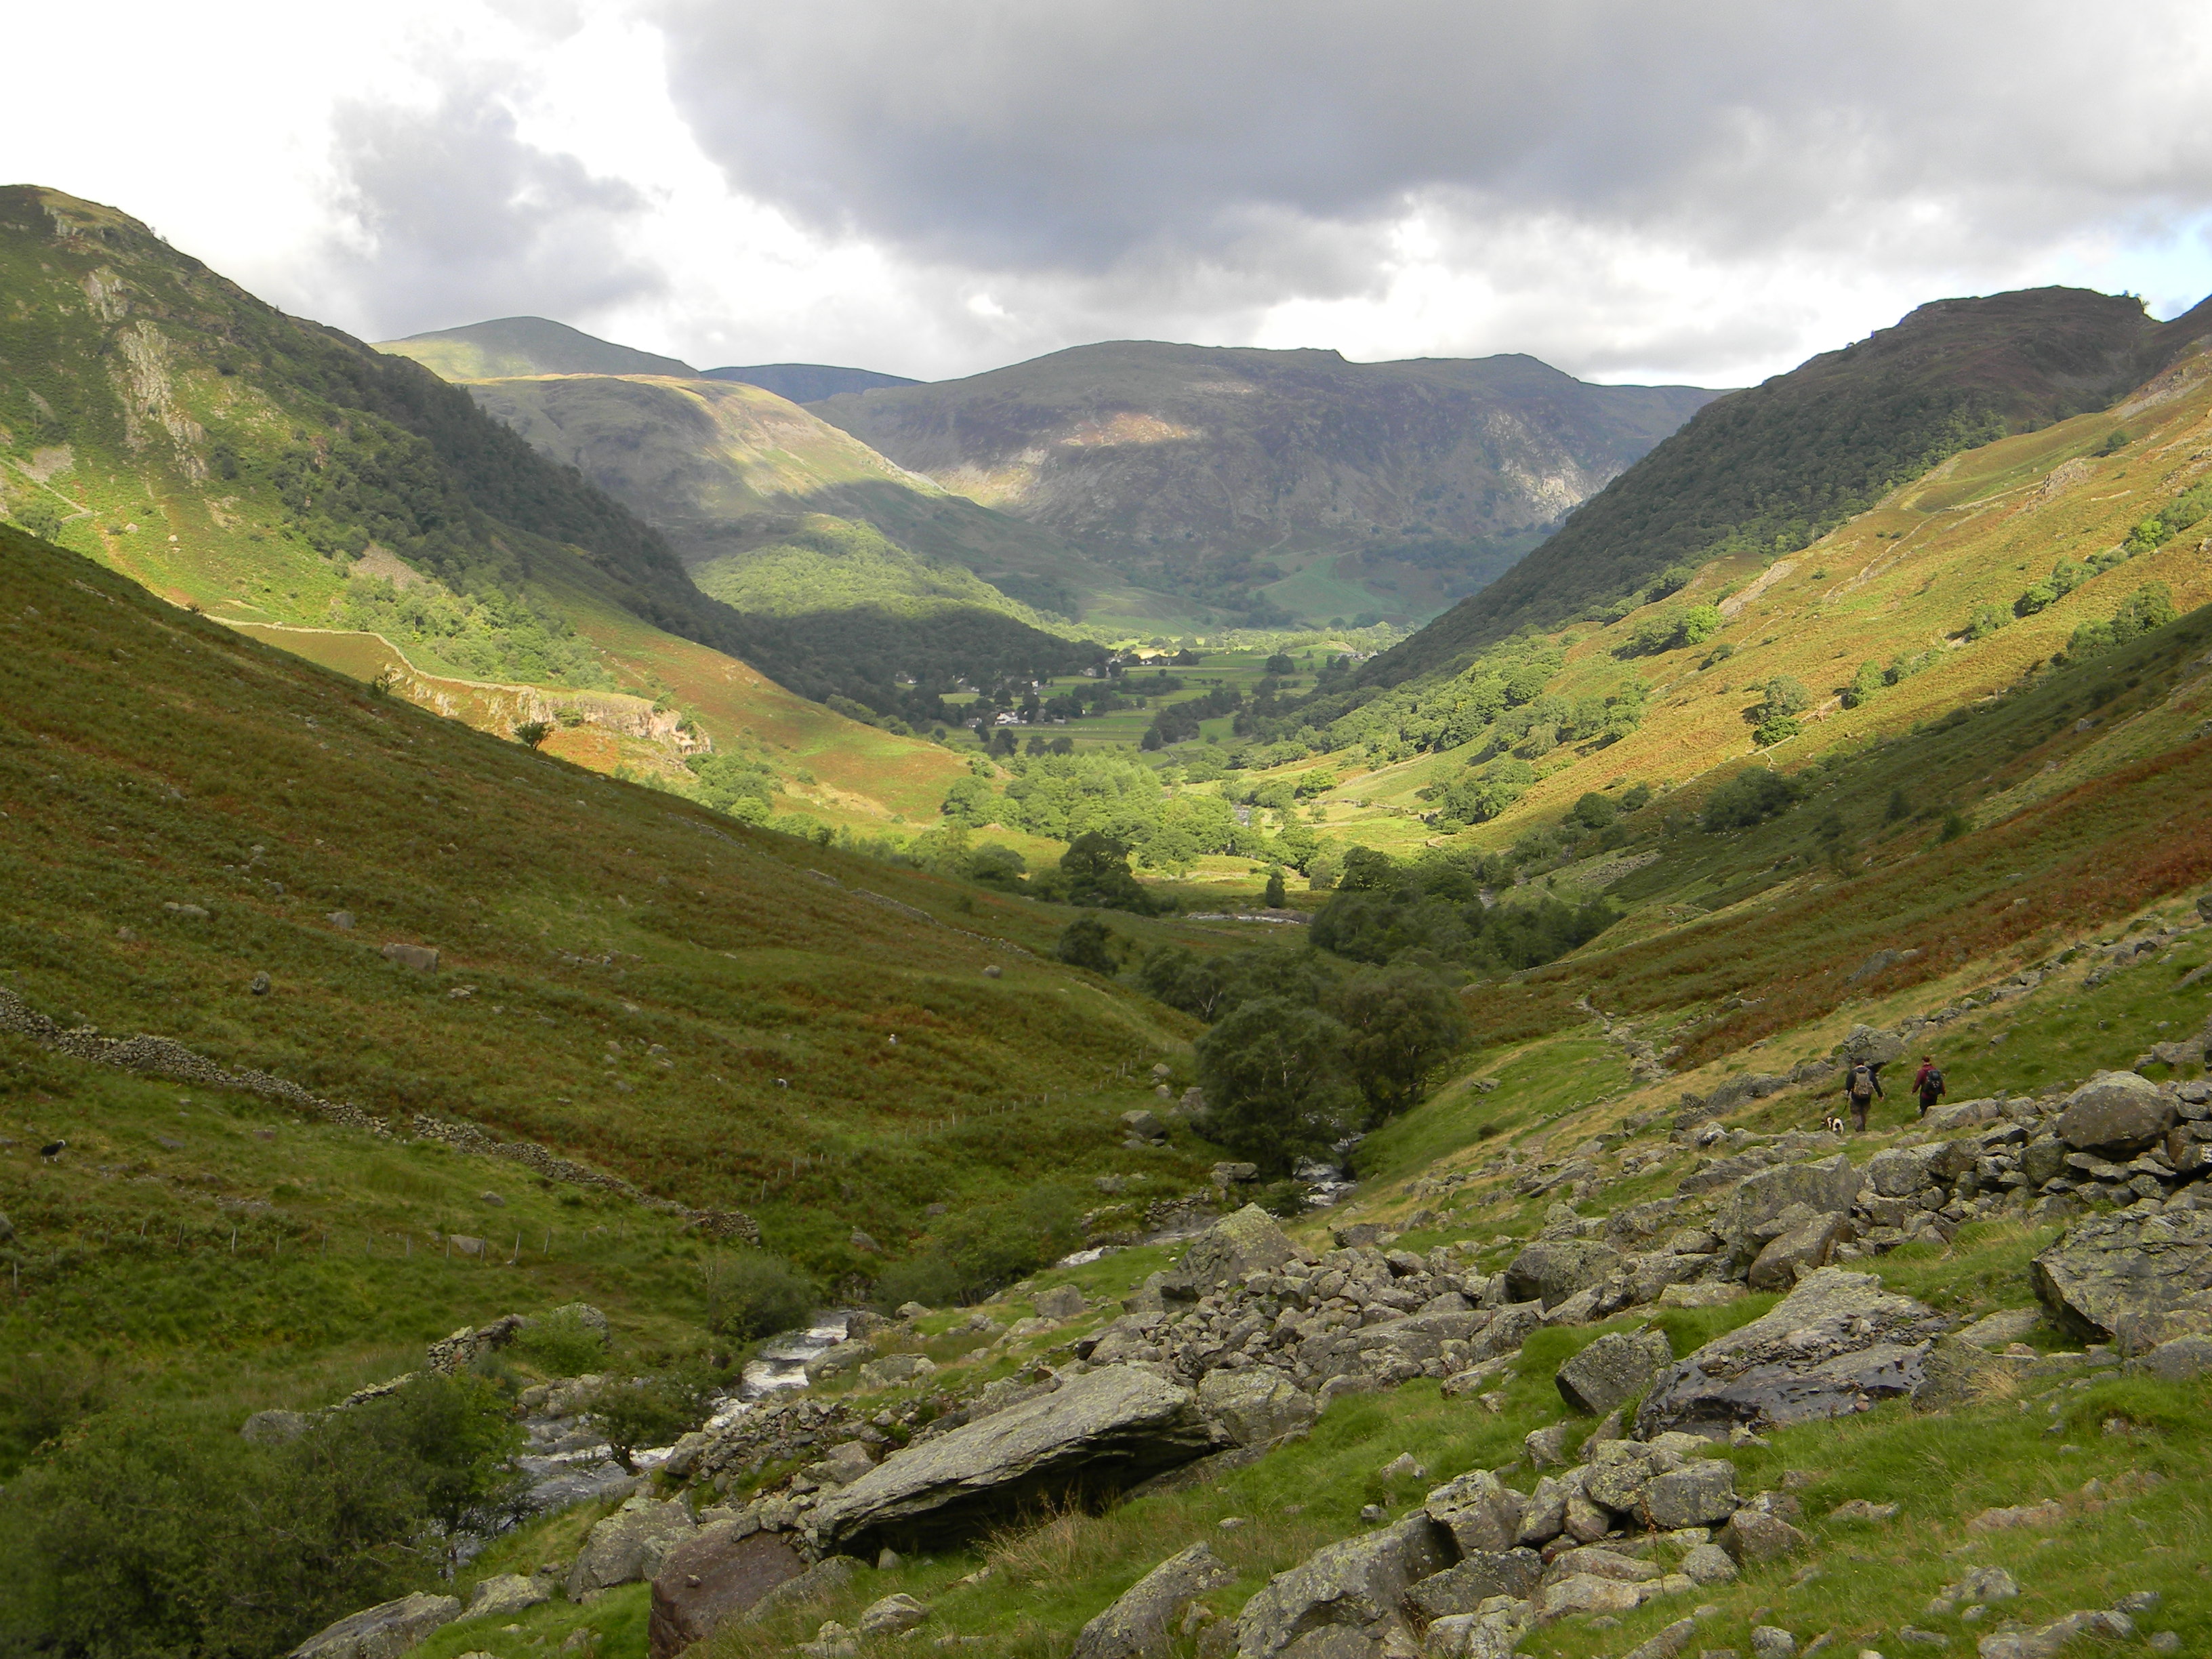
(1077, 137)
(457, 218)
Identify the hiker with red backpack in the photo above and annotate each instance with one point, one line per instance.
(1861, 1085)
(1927, 1084)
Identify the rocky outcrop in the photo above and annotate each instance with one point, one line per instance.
(1108, 1430)
(1836, 1344)
(709, 1579)
(1140, 1621)
(627, 1546)
(1346, 1600)
(1551, 1270)
(384, 1632)
(2141, 1279)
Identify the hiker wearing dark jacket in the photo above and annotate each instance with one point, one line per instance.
(1861, 1085)
(1927, 1084)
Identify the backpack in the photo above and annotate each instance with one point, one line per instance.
(1932, 1084)
(1861, 1083)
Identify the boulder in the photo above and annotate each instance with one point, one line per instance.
(1901, 1171)
(1104, 1431)
(2181, 1360)
(1957, 1373)
(1787, 1258)
(1345, 1600)
(829, 1577)
(1877, 1047)
(1478, 1511)
(628, 1545)
(1825, 1188)
(2110, 1272)
(2116, 1112)
(1246, 1241)
(2007, 1325)
(383, 1632)
(1708, 1564)
(1614, 1370)
(1587, 1593)
(507, 1594)
(420, 958)
(891, 1615)
(1600, 1563)
(1551, 1270)
(1141, 1622)
(1255, 1405)
(839, 1357)
(1837, 1343)
(1478, 1575)
(1701, 1495)
(1752, 1537)
(1060, 1302)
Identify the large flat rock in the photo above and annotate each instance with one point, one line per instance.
(383, 1632)
(709, 1579)
(1100, 1432)
(1836, 1344)
(2125, 1276)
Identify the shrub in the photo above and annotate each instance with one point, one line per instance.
(635, 1413)
(1594, 812)
(1863, 686)
(1778, 728)
(1087, 942)
(561, 1344)
(1986, 620)
(149, 1532)
(1749, 798)
(931, 1279)
(755, 1294)
(531, 734)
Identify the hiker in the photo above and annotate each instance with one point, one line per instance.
(1927, 1084)
(1861, 1083)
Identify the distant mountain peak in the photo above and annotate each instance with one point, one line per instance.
(506, 347)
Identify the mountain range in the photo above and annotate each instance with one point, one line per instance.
(1316, 486)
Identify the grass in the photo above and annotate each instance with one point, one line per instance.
(625, 976)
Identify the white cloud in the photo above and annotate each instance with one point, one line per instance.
(1706, 193)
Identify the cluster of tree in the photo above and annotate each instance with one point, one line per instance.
(1774, 716)
(491, 635)
(1113, 793)
(1179, 721)
(2149, 606)
(1305, 1050)
(1384, 909)
(1667, 629)
(152, 1531)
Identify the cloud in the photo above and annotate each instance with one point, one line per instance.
(448, 214)
(1245, 161)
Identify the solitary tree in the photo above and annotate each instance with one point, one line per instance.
(1274, 897)
(1087, 942)
(1401, 1024)
(1273, 1077)
(531, 734)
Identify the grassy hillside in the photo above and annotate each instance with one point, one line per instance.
(1287, 484)
(1901, 616)
(526, 345)
(276, 475)
(1767, 470)
(625, 976)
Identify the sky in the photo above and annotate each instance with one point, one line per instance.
(1703, 193)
